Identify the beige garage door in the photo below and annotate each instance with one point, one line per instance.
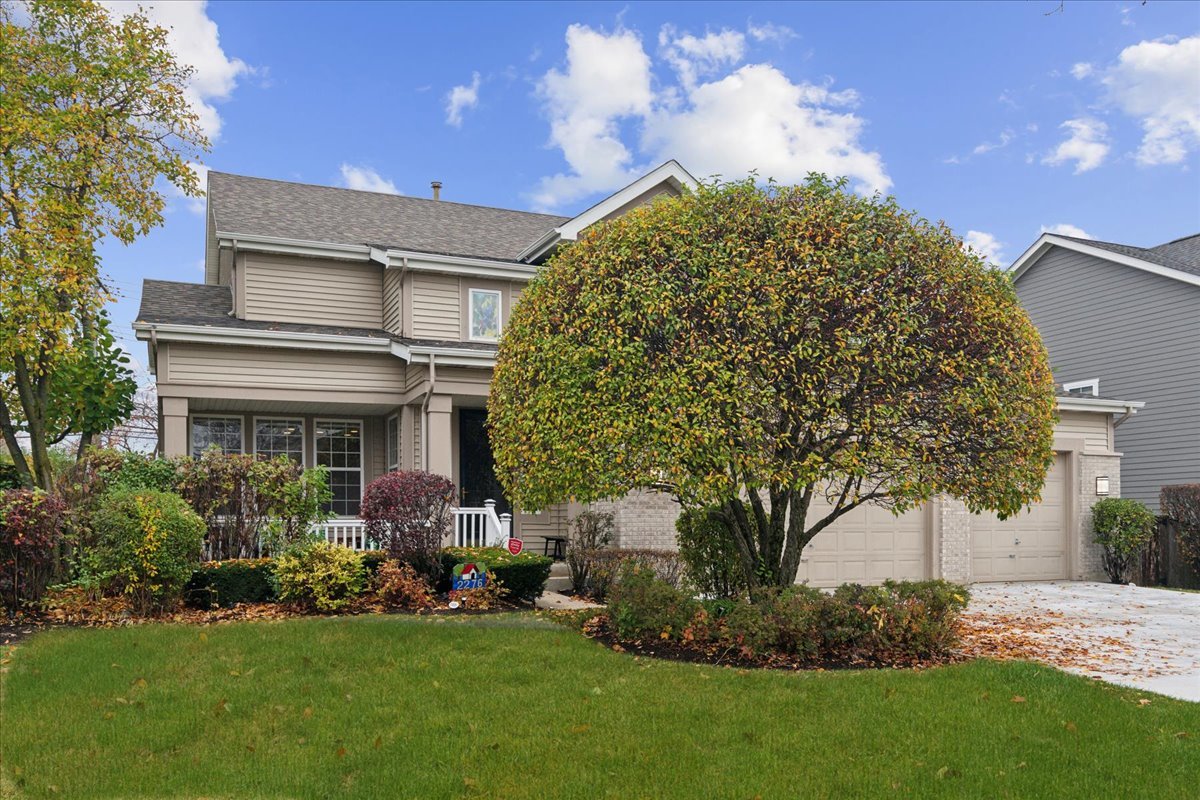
(1031, 546)
(868, 545)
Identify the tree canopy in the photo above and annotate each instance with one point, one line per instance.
(756, 349)
(93, 113)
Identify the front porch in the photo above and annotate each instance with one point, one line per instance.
(358, 442)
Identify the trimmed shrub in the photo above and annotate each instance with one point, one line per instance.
(605, 566)
(1182, 504)
(523, 576)
(319, 576)
(894, 623)
(590, 531)
(709, 555)
(399, 586)
(373, 560)
(150, 545)
(1122, 528)
(409, 514)
(642, 606)
(223, 584)
(29, 534)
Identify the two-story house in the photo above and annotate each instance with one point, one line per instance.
(1124, 321)
(358, 331)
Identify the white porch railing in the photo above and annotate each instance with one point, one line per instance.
(350, 533)
(481, 527)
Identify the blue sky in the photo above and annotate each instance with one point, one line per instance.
(1002, 119)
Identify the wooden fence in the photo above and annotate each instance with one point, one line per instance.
(1162, 562)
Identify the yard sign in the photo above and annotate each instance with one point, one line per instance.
(469, 575)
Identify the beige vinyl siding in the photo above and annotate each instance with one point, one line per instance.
(436, 307)
(551, 522)
(393, 305)
(1092, 428)
(418, 461)
(312, 291)
(283, 368)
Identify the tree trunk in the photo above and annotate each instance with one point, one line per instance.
(14, 447)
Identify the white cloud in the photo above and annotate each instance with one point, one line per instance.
(693, 57)
(753, 118)
(461, 98)
(607, 79)
(1158, 83)
(1087, 145)
(367, 180)
(770, 32)
(1066, 229)
(1082, 70)
(757, 119)
(1005, 137)
(196, 42)
(196, 204)
(985, 245)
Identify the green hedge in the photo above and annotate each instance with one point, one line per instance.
(524, 575)
(226, 583)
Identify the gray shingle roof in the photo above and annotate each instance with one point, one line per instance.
(267, 207)
(204, 305)
(1181, 254)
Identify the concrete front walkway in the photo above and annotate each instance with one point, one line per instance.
(1140, 637)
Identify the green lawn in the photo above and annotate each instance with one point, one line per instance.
(512, 707)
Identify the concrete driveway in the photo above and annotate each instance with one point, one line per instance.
(1144, 638)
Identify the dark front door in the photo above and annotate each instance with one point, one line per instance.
(477, 471)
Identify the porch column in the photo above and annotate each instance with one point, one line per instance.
(173, 436)
(439, 452)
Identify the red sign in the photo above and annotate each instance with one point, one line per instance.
(515, 546)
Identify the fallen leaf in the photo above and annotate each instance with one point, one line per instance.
(341, 752)
(1145, 701)
(1071, 727)
(378, 742)
(308, 712)
(1018, 699)
(580, 728)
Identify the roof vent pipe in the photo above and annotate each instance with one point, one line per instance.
(437, 189)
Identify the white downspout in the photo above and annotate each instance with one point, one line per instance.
(425, 413)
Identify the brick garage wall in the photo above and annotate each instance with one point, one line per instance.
(1088, 565)
(643, 518)
(952, 543)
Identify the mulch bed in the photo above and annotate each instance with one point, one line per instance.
(115, 613)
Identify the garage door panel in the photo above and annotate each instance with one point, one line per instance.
(1031, 545)
(868, 545)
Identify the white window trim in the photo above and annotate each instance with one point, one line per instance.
(192, 421)
(362, 440)
(1093, 383)
(303, 434)
(387, 444)
(471, 315)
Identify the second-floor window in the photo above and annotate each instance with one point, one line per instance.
(484, 311)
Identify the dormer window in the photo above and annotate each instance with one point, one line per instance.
(484, 311)
(1088, 388)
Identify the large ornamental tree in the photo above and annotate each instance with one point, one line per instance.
(778, 355)
(94, 123)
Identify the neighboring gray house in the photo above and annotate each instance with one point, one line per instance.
(1123, 321)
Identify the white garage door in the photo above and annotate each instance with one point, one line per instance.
(868, 545)
(1031, 546)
